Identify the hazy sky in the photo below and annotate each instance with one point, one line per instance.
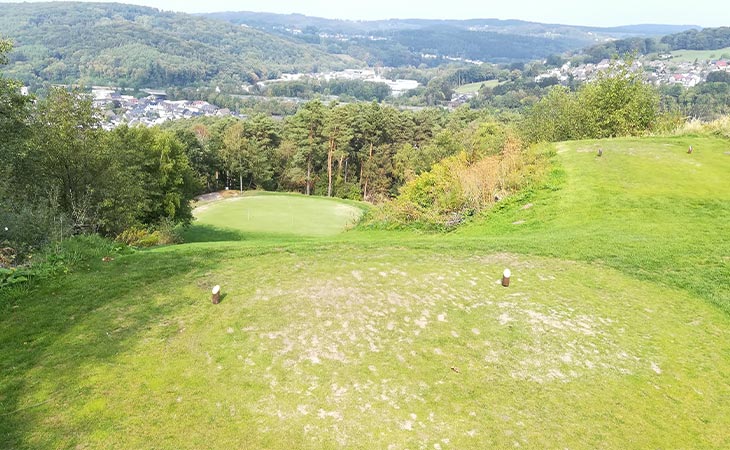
(705, 13)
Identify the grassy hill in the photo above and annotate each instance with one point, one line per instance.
(701, 55)
(135, 46)
(614, 333)
(472, 88)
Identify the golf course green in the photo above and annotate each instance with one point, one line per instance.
(280, 214)
(613, 333)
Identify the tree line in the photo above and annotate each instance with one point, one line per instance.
(705, 39)
(63, 173)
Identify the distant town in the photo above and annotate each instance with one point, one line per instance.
(155, 108)
(397, 87)
(152, 110)
(658, 72)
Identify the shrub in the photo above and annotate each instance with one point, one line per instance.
(168, 233)
(137, 237)
(12, 277)
(457, 188)
(164, 234)
(28, 226)
(617, 103)
(719, 127)
(57, 258)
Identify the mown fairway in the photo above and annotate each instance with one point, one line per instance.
(615, 332)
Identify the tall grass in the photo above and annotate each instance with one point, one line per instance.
(718, 127)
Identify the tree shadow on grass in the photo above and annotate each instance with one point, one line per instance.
(49, 334)
(208, 233)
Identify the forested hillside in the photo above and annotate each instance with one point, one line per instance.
(134, 46)
(397, 42)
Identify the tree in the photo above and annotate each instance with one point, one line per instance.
(151, 179)
(235, 151)
(14, 115)
(617, 103)
(338, 130)
(718, 76)
(65, 158)
(204, 161)
(307, 131)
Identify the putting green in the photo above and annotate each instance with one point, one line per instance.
(279, 214)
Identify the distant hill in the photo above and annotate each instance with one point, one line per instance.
(135, 46)
(397, 42)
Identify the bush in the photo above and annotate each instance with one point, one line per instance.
(138, 237)
(168, 233)
(58, 258)
(458, 187)
(719, 127)
(164, 234)
(27, 226)
(12, 277)
(617, 103)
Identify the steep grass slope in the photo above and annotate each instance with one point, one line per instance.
(645, 207)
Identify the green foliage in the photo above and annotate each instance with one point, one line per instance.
(309, 88)
(618, 103)
(14, 114)
(247, 151)
(706, 101)
(60, 257)
(163, 234)
(464, 184)
(705, 39)
(138, 237)
(153, 179)
(13, 277)
(692, 39)
(66, 175)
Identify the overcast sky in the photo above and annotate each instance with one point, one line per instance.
(705, 13)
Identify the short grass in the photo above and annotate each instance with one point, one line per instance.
(614, 333)
(267, 214)
(645, 207)
(473, 88)
(700, 55)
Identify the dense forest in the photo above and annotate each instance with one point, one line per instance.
(135, 46)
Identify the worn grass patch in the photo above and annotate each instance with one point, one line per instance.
(396, 348)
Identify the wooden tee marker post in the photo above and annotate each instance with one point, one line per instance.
(216, 297)
(505, 277)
